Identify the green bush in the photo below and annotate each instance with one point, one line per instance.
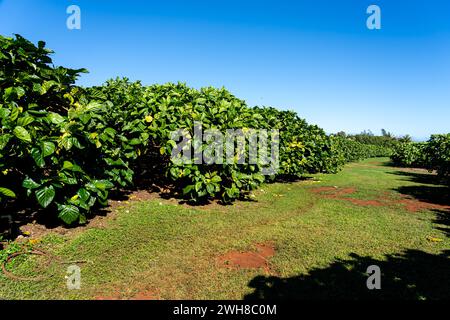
(432, 155)
(410, 154)
(438, 155)
(65, 147)
(44, 153)
(352, 150)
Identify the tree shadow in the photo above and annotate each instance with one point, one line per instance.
(389, 163)
(411, 275)
(18, 214)
(287, 178)
(442, 221)
(419, 177)
(439, 195)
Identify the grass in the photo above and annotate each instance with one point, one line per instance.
(323, 245)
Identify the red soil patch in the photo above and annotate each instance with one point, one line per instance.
(413, 205)
(250, 259)
(385, 199)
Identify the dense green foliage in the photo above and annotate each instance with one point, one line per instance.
(384, 140)
(45, 153)
(352, 150)
(410, 154)
(432, 155)
(438, 155)
(64, 148)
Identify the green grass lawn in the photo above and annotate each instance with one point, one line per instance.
(323, 244)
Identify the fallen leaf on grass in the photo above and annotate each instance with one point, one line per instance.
(434, 239)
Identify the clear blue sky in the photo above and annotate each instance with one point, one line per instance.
(314, 57)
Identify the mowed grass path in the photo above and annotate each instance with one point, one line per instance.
(160, 249)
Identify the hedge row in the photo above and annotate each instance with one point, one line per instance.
(410, 154)
(351, 150)
(432, 155)
(64, 148)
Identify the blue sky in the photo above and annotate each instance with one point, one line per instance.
(314, 57)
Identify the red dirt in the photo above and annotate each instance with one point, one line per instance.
(250, 259)
(385, 199)
(413, 205)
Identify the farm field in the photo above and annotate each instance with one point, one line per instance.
(313, 239)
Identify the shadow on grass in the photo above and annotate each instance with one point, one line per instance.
(442, 221)
(285, 178)
(411, 275)
(418, 177)
(437, 195)
(13, 217)
(388, 163)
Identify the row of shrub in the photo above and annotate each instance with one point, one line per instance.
(410, 154)
(64, 148)
(352, 150)
(433, 155)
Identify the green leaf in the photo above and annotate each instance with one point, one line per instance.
(210, 188)
(4, 139)
(67, 179)
(8, 93)
(7, 193)
(68, 213)
(24, 121)
(22, 134)
(83, 194)
(111, 132)
(48, 148)
(71, 167)
(103, 184)
(20, 92)
(47, 85)
(38, 157)
(55, 118)
(67, 143)
(94, 106)
(29, 183)
(135, 141)
(67, 165)
(14, 114)
(82, 219)
(188, 189)
(37, 88)
(259, 177)
(45, 196)
(4, 113)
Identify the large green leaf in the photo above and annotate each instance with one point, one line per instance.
(103, 184)
(22, 134)
(48, 148)
(24, 121)
(29, 183)
(56, 118)
(4, 139)
(45, 196)
(68, 213)
(38, 157)
(7, 193)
